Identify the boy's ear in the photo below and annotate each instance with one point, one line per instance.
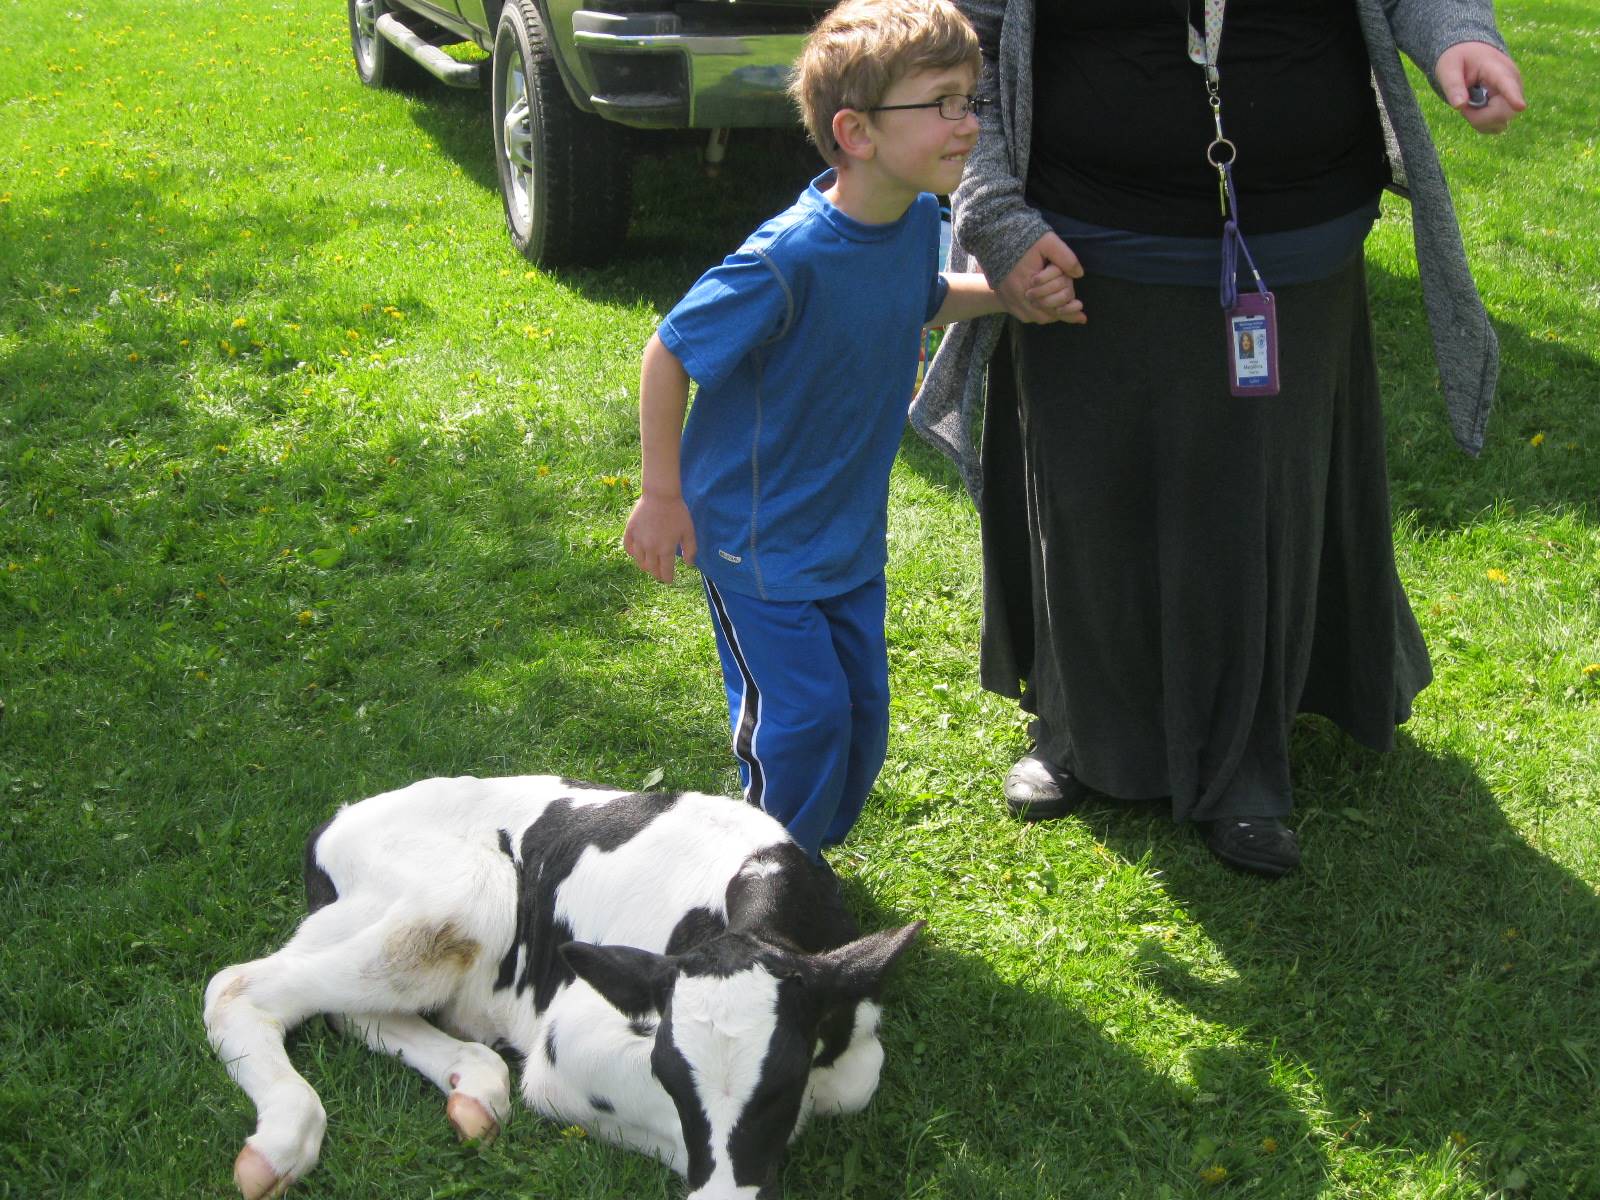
(853, 133)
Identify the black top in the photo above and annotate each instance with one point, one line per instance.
(1121, 118)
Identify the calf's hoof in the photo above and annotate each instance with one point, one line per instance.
(256, 1177)
(473, 1122)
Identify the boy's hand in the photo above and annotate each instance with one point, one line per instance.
(1049, 251)
(1052, 291)
(657, 528)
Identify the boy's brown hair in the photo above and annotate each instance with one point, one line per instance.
(864, 47)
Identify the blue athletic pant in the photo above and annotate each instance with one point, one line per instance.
(808, 703)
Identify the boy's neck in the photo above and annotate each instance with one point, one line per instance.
(861, 194)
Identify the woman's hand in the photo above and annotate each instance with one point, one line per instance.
(1467, 64)
(1034, 293)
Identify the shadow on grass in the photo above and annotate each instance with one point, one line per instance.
(1433, 972)
(994, 1088)
(1544, 388)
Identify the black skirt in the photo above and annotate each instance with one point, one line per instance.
(1172, 573)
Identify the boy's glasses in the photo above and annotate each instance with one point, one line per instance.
(951, 108)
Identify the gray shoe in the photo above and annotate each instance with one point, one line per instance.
(1039, 790)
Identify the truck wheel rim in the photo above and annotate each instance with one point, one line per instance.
(518, 139)
(366, 29)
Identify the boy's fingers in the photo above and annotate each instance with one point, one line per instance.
(688, 548)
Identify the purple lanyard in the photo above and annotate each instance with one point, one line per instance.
(1222, 153)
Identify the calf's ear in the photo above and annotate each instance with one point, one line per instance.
(633, 981)
(857, 969)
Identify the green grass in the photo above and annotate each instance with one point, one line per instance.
(309, 488)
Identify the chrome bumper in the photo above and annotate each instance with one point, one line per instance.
(643, 69)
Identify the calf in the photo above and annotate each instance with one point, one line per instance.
(675, 973)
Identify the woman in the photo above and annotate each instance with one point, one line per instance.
(1174, 567)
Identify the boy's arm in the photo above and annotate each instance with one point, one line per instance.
(971, 296)
(659, 524)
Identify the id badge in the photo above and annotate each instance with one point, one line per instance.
(1253, 345)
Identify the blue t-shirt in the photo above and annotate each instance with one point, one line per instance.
(804, 346)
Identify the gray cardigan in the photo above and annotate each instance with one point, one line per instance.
(994, 226)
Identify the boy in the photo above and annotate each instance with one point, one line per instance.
(804, 345)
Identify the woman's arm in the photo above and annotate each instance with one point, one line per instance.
(1425, 29)
(1458, 46)
(993, 220)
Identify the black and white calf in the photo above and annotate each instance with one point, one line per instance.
(676, 974)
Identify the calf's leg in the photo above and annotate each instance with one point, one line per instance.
(343, 958)
(473, 1076)
(289, 1116)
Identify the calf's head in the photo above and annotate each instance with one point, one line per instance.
(750, 1038)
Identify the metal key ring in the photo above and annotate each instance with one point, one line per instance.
(1233, 153)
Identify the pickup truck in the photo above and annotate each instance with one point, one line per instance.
(566, 76)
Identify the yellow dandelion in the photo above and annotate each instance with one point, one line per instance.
(177, 268)
(246, 233)
(134, 357)
(229, 348)
(201, 675)
(352, 335)
(183, 343)
(1592, 671)
(221, 448)
(200, 595)
(1269, 1145)
(544, 470)
(240, 322)
(1214, 1174)
(574, 1131)
(1496, 575)
(366, 310)
(306, 616)
(1537, 439)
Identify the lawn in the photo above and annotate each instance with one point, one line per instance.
(309, 488)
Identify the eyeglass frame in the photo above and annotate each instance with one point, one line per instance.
(975, 106)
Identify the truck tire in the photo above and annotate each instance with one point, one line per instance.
(566, 176)
(378, 63)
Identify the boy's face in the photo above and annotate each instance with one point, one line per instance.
(917, 149)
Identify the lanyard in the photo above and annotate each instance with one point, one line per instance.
(1205, 51)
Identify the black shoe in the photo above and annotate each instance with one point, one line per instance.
(1260, 845)
(1039, 790)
